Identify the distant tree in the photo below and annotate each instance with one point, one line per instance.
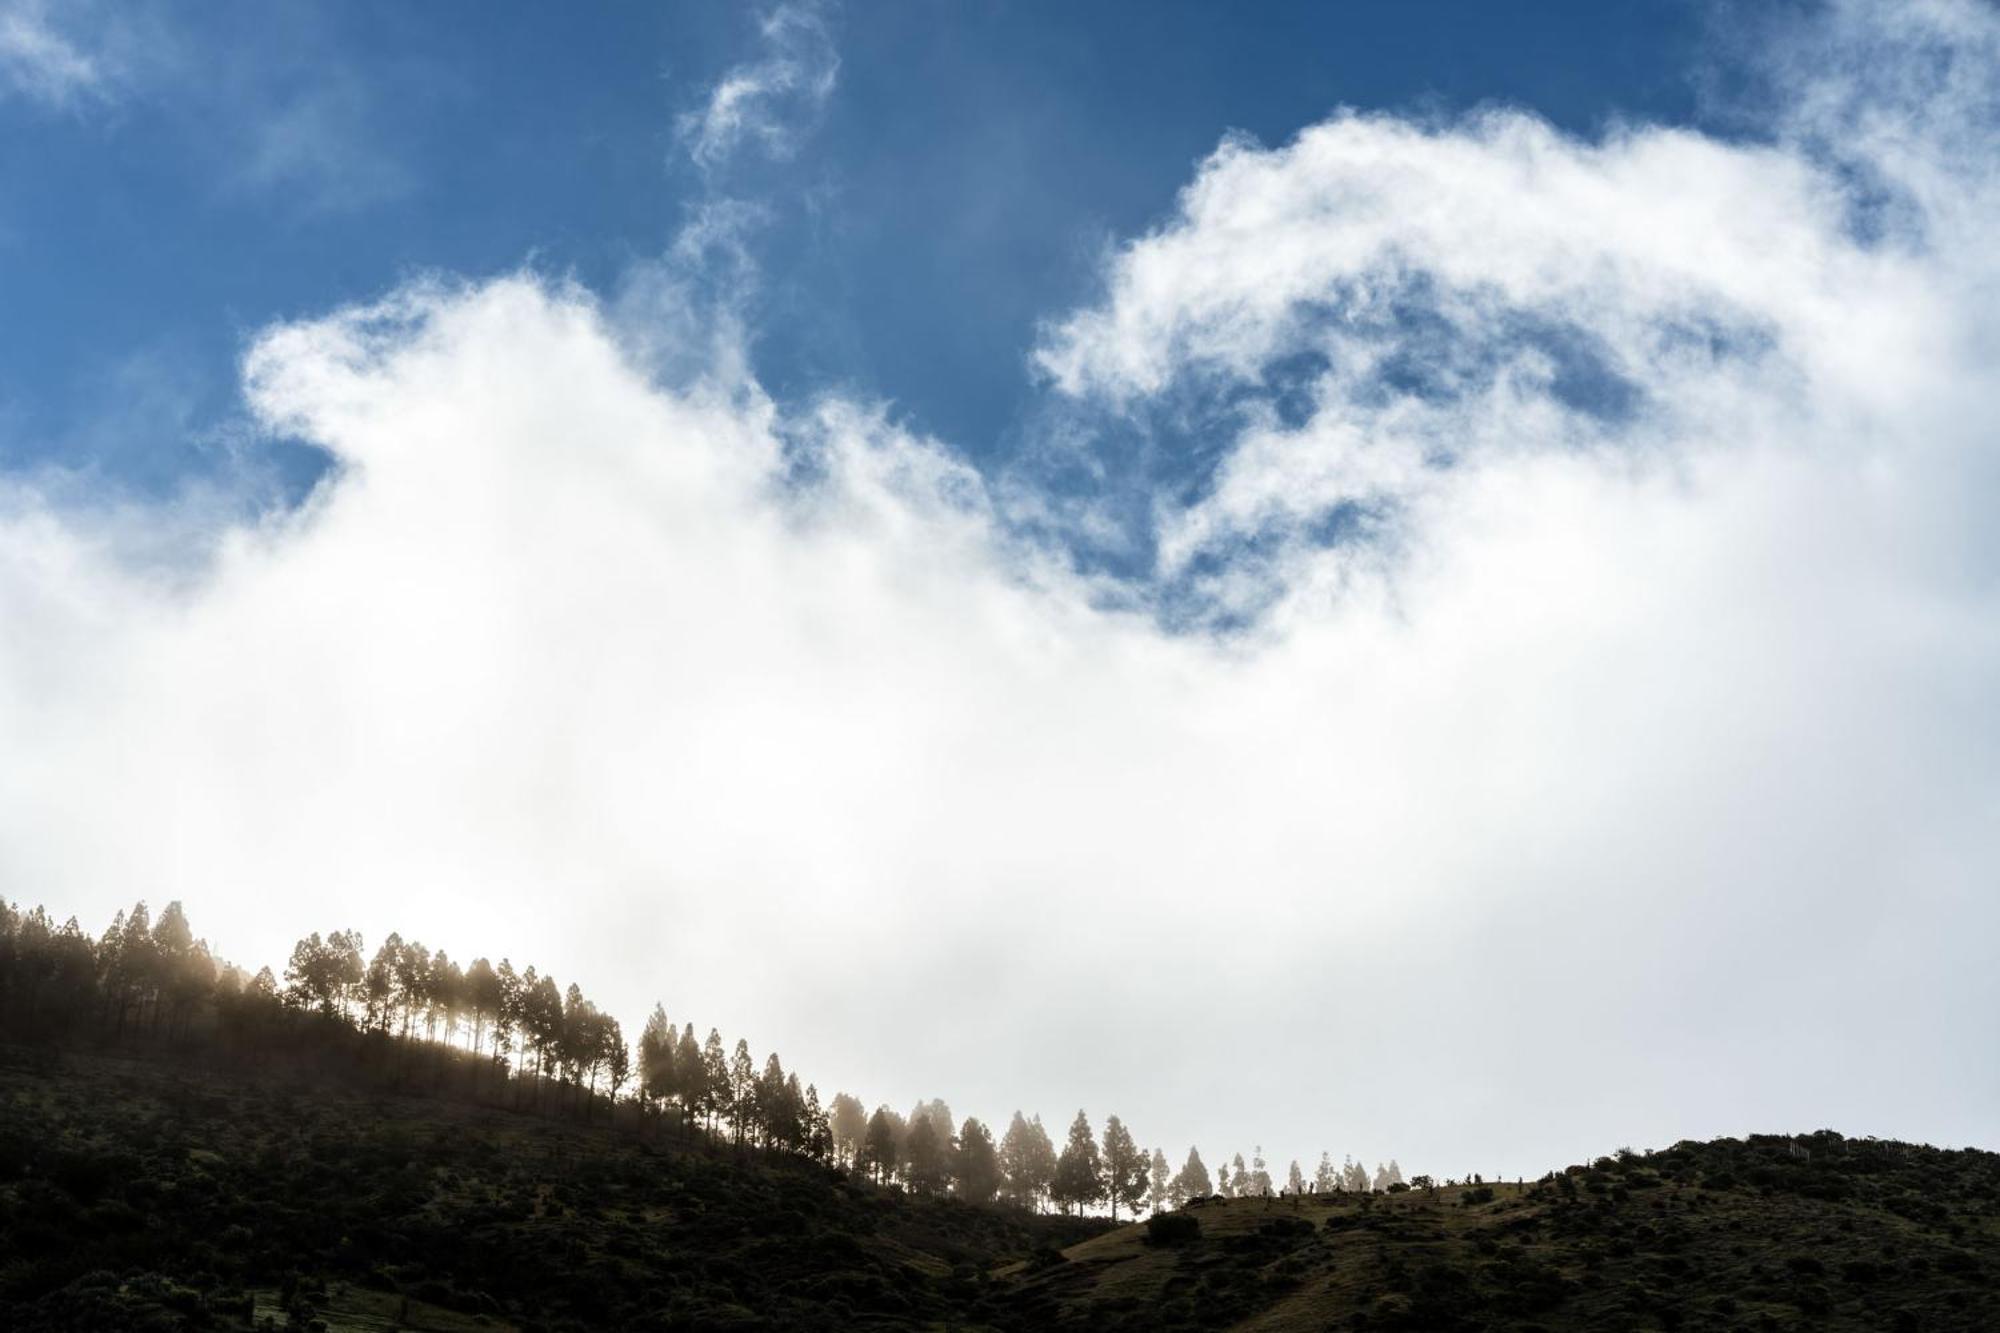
(1260, 1175)
(715, 1078)
(1295, 1179)
(1159, 1183)
(1395, 1173)
(742, 1090)
(976, 1163)
(319, 975)
(690, 1077)
(818, 1126)
(446, 998)
(1079, 1178)
(1192, 1182)
(482, 999)
(1326, 1178)
(1381, 1179)
(848, 1124)
(1354, 1177)
(413, 979)
(1027, 1162)
(1124, 1168)
(185, 971)
(657, 1044)
(925, 1164)
(1238, 1177)
(506, 1015)
(616, 1056)
(780, 1106)
(939, 1115)
(878, 1158)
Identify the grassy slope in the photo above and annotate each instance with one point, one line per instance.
(135, 1196)
(132, 1195)
(1723, 1235)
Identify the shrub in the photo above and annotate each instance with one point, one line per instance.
(1172, 1229)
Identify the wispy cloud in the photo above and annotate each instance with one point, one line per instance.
(43, 63)
(770, 102)
(321, 145)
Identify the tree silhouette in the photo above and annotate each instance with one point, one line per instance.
(1027, 1162)
(1079, 1177)
(925, 1163)
(1260, 1176)
(1192, 1182)
(741, 1089)
(690, 1076)
(848, 1125)
(151, 982)
(658, 1043)
(1159, 1183)
(976, 1164)
(878, 1159)
(1124, 1168)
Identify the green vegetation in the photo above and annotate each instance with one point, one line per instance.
(139, 1194)
(404, 1145)
(1816, 1232)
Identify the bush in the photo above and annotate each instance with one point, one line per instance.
(1172, 1229)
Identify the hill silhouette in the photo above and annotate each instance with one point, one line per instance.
(140, 1194)
(408, 1144)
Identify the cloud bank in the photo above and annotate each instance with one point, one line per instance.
(1584, 731)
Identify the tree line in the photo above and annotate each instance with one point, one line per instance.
(518, 1034)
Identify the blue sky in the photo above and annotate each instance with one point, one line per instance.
(235, 165)
(1467, 527)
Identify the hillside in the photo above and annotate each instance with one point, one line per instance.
(1816, 1232)
(134, 1194)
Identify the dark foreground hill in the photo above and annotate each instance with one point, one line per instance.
(138, 1195)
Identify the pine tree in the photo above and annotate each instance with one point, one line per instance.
(1123, 1169)
(1325, 1178)
(925, 1164)
(1160, 1184)
(690, 1077)
(1260, 1176)
(1192, 1182)
(976, 1163)
(1295, 1179)
(715, 1078)
(482, 998)
(658, 1043)
(1027, 1161)
(1079, 1178)
(818, 1127)
(742, 1089)
(848, 1125)
(878, 1146)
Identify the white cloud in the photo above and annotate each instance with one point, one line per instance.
(1644, 785)
(40, 62)
(770, 101)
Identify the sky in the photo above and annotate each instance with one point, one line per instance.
(1402, 579)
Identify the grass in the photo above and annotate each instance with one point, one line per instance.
(144, 1195)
